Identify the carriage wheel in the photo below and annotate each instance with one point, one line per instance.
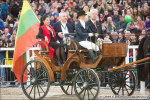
(86, 84)
(67, 85)
(35, 80)
(122, 82)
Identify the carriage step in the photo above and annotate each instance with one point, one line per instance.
(56, 83)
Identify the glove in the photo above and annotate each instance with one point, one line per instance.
(96, 34)
(90, 34)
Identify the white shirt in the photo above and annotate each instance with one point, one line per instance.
(64, 28)
(82, 23)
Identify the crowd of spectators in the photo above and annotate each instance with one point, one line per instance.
(111, 17)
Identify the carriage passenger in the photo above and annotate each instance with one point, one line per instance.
(82, 32)
(47, 34)
(94, 25)
(63, 26)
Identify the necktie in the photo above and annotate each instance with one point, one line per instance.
(95, 24)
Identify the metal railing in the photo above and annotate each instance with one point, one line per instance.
(7, 77)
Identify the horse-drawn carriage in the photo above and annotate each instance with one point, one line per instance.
(79, 73)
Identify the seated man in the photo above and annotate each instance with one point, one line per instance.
(83, 31)
(63, 26)
(94, 25)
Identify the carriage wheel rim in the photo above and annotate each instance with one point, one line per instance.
(36, 84)
(124, 87)
(88, 87)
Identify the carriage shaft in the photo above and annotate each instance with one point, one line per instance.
(129, 64)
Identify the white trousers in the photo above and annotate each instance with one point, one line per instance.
(89, 45)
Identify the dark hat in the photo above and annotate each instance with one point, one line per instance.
(81, 13)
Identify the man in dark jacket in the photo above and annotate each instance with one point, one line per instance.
(82, 33)
(94, 25)
(63, 27)
(121, 25)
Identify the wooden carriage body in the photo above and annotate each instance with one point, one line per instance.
(112, 54)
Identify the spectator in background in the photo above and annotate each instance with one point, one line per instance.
(4, 40)
(2, 56)
(8, 27)
(86, 9)
(41, 10)
(15, 9)
(127, 7)
(106, 15)
(15, 26)
(130, 3)
(114, 37)
(101, 18)
(127, 37)
(107, 39)
(147, 23)
(110, 26)
(10, 75)
(104, 28)
(133, 39)
(104, 5)
(144, 32)
(1, 34)
(60, 7)
(45, 5)
(121, 38)
(37, 12)
(117, 9)
(110, 10)
(129, 12)
(1, 44)
(142, 35)
(10, 20)
(133, 29)
(52, 20)
(115, 17)
(66, 7)
(144, 11)
(47, 12)
(13, 38)
(8, 35)
(0, 13)
(121, 25)
(10, 45)
(139, 24)
(74, 16)
(135, 13)
(56, 15)
(1, 24)
(114, 4)
(4, 8)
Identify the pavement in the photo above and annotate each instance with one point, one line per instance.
(55, 93)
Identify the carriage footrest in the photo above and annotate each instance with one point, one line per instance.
(56, 83)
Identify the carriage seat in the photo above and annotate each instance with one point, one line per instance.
(76, 46)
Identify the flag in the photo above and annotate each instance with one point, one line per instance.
(28, 28)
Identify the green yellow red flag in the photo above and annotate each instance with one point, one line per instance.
(28, 28)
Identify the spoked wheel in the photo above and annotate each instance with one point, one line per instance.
(35, 80)
(67, 85)
(122, 82)
(86, 84)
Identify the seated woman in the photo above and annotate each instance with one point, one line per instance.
(82, 32)
(47, 34)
